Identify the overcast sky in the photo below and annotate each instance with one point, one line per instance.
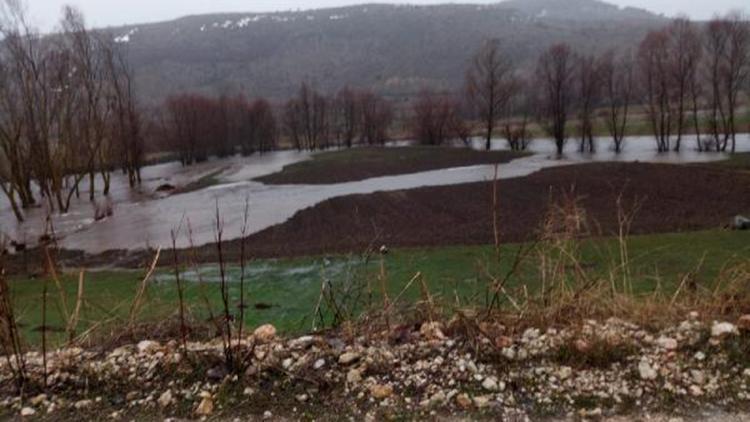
(45, 13)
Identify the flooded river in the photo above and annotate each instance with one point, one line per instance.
(142, 219)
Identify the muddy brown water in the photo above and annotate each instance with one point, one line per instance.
(144, 219)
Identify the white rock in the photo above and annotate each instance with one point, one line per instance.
(319, 363)
(490, 384)
(482, 401)
(722, 329)
(646, 371)
(666, 343)
(36, 401)
(82, 404)
(348, 358)
(302, 342)
(27, 411)
(148, 346)
(531, 334)
(267, 414)
(165, 399)
(206, 407)
(265, 333)
(354, 376)
(509, 353)
(696, 391)
(380, 392)
(699, 377)
(564, 373)
(438, 398)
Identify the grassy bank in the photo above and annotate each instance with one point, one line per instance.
(285, 292)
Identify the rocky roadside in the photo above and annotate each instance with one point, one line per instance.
(593, 370)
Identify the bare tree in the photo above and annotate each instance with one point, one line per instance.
(263, 125)
(87, 74)
(126, 125)
(685, 54)
(655, 72)
(516, 124)
(15, 162)
(617, 93)
(183, 127)
(348, 115)
(376, 115)
(216, 128)
(555, 74)
(489, 85)
(38, 76)
(588, 76)
(293, 125)
(728, 62)
(307, 119)
(431, 113)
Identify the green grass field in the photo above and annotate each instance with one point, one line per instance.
(289, 288)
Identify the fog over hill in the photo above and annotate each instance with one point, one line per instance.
(395, 50)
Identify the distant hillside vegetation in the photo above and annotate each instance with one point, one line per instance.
(395, 50)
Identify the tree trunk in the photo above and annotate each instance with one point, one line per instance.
(10, 193)
(92, 185)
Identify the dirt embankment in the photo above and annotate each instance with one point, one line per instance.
(364, 163)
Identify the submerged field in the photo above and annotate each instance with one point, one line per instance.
(285, 292)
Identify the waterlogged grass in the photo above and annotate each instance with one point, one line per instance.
(366, 162)
(285, 292)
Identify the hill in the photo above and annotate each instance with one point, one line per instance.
(394, 49)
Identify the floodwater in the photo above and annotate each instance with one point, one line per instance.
(142, 219)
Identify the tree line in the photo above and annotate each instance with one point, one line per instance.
(197, 126)
(67, 113)
(687, 79)
(69, 116)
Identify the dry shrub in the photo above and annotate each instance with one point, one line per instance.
(573, 291)
(167, 329)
